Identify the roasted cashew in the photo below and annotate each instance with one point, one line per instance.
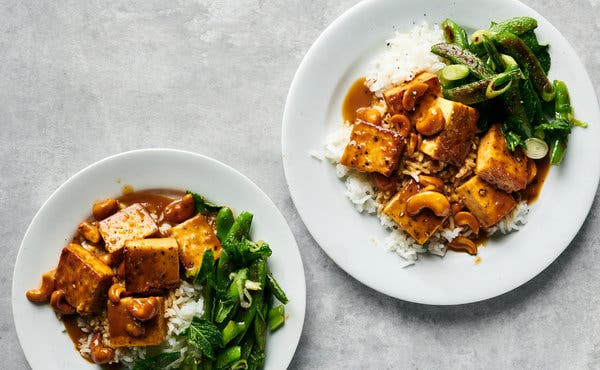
(99, 353)
(432, 123)
(462, 243)
(135, 329)
(413, 92)
(413, 142)
(436, 202)
(143, 309)
(180, 210)
(115, 292)
(89, 232)
(59, 303)
(370, 115)
(437, 184)
(401, 124)
(467, 218)
(44, 291)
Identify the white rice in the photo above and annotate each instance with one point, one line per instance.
(406, 55)
(181, 305)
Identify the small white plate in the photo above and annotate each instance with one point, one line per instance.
(313, 108)
(42, 336)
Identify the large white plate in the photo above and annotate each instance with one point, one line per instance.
(313, 108)
(45, 344)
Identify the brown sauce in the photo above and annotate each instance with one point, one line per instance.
(533, 190)
(358, 96)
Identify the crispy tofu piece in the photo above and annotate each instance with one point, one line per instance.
(84, 278)
(133, 222)
(151, 265)
(453, 143)
(499, 166)
(119, 318)
(373, 149)
(486, 202)
(422, 226)
(394, 96)
(194, 237)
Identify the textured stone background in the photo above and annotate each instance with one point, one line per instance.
(81, 80)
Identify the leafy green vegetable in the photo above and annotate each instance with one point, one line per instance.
(203, 206)
(228, 357)
(204, 336)
(206, 274)
(513, 140)
(157, 362)
(555, 128)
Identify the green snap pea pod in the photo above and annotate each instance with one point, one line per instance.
(482, 90)
(240, 227)
(247, 345)
(517, 26)
(454, 34)
(260, 325)
(493, 53)
(558, 147)
(224, 221)
(209, 302)
(564, 110)
(276, 317)
(257, 358)
(257, 273)
(224, 268)
(231, 330)
(229, 303)
(516, 121)
(458, 55)
(276, 289)
(228, 357)
(531, 101)
(516, 48)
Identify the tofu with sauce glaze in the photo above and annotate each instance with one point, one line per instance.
(194, 237)
(133, 222)
(151, 265)
(373, 149)
(499, 166)
(84, 278)
(422, 226)
(394, 96)
(127, 331)
(485, 202)
(454, 142)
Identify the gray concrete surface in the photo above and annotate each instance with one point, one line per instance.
(81, 80)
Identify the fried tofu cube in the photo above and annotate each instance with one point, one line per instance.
(373, 149)
(194, 237)
(453, 143)
(127, 331)
(395, 96)
(133, 222)
(422, 226)
(499, 166)
(486, 202)
(151, 265)
(84, 278)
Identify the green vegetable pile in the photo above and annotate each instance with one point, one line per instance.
(503, 72)
(239, 294)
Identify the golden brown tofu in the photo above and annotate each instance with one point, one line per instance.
(373, 149)
(194, 237)
(84, 278)
(422, 226)
(151, 265)
(453, 143)
(395, 96)
(486, 202)
(499, 166)
(127, 331)
(133, 222)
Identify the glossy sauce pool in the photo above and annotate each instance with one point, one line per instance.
(359, 96)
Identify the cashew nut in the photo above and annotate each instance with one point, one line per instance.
(436, 202)
(432, 123)
(180, 210)
(437, 184)
(413, 142)
(43, 293)
(401, 124)
(531, 171)
(59, 303)
(462, 243)
(456, 207)
(99, 353)
(467, 218)
(89, 232)
(143, 309)
(115, 291)
(104, 208)
(370, 115)
(413, 92)
(135, 329)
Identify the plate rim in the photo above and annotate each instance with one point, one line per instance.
(331, 29)
(167, 151)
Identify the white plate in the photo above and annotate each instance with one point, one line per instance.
(45, 344)
(313, 108)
